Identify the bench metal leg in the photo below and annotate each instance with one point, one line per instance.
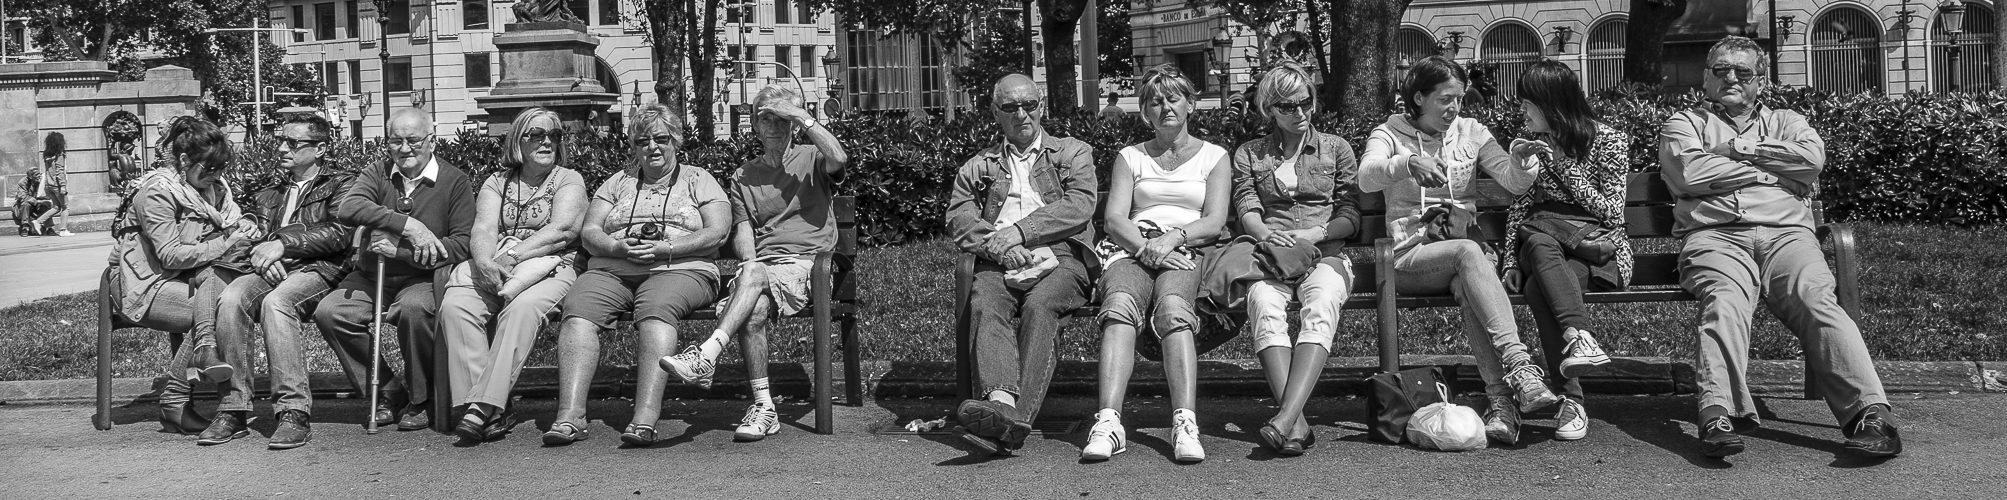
(819, 290)
(1390, 318)
(102, 419)
(853, 370)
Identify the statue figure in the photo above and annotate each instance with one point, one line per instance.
(544, 11)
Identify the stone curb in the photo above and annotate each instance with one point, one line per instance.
(1240, 377)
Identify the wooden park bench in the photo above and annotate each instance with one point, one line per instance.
(1655, 275)
(833, 303)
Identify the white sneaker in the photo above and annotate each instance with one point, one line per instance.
(760, 421)
(1571, 422)
(65, 232)
(1107, 439)
(1583, 353)
(691, 367)
(1185, 437)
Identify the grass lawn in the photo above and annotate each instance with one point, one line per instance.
(1930, 293)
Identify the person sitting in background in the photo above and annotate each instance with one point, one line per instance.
(1742, 174)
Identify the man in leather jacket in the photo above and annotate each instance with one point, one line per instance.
(304, 255)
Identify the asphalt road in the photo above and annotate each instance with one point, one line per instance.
(38, 267)
(1639, 447)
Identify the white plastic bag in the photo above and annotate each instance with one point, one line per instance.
(1447, 427)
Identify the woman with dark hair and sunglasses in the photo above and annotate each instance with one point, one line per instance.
(526, 227)
(1568, 231)
(1167, 197)
(180, 222)
(653, 231)
(1426, 161)
(1296, 188)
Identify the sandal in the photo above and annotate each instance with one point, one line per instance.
(638, 435)
(563, 433)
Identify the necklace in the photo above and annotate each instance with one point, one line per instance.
(1173, 155)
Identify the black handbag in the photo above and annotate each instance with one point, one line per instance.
(1396, 396)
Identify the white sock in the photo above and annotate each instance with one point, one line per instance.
(1109, 414)
(1003, 397)
(1184, 412)
(760, 393)
(714, 345)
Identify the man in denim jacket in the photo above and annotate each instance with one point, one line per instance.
(1023, 208)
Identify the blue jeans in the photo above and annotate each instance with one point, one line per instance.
(1461, 268)
(1020, 360)
(252, 300)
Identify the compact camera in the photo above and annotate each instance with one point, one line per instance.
(649, 231)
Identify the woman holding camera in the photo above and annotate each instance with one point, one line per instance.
(1568, 231)
(1426, 160)
(525, 236)
(653, 231)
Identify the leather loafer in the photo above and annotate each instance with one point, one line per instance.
(414, 418)
(293, 431)
(227, 426)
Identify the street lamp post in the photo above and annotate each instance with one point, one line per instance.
(1221, 42)
(833, 83)
(1952, 14)
(255, 123)
(383, 54)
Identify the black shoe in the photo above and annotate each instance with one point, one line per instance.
(1501, 421)
(473, 427)
(499, 425)
(415, 417)
(984, 445)
(207, 366)
(1718, 438)
(994, 419)
(293, 431)
(1873, 435)
(228, 425)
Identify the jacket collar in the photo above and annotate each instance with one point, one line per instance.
(1004, 148)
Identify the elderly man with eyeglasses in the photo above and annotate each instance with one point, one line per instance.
(1022, 206)
(1743, 175)
(419, 212)
(303, 255)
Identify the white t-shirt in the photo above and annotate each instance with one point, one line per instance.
(1170, 198)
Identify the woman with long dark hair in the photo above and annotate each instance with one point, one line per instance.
(1568, 231)
(1426, 160)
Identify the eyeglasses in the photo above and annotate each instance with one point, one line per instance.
(663, 140)
(1012, 107)
(292, 143)
(1741, 74)
(398, 142)
(536, 135)
(1292, 107)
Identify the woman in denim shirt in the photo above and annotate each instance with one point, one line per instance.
(1296, 187)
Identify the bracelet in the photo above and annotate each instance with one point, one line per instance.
(1183, 235)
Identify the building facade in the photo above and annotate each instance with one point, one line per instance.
(442, 55)
(1850, 46)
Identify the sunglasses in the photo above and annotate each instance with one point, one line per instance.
(300, 143)
(1741, 74)
(1013, 107)
(1292, 107)
(662, 140)
(540, 135)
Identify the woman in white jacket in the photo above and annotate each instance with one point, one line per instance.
(1427, 158)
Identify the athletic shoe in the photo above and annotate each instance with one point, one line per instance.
(1718, 438)
(1107, 438)
(1571, 422)
(65, 233)
(760, 421)
(1874, 435)
(691, 367)
(1501, 421)
(995, 420)
(1583, 353)
(1531, 385)
(1185, 437)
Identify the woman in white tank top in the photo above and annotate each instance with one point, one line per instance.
(1166, 197)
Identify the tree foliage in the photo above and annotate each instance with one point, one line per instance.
(1117, 49)
(91, 30)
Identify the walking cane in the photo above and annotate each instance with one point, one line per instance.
(375, 344)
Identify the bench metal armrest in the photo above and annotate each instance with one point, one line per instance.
(1846, 268)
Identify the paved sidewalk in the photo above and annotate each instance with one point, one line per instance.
(1638, 447)
(37, 267)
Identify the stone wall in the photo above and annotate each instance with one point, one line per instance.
(74, 98)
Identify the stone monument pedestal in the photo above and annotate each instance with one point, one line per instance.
(547, 64)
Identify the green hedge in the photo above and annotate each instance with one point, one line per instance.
(1920, 157)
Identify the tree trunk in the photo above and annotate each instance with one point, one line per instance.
(1645, 39)
(1062, 21)
(704, 70)
(1317, 35)
(1362, 41)
(665, 19)
(1999, 47)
